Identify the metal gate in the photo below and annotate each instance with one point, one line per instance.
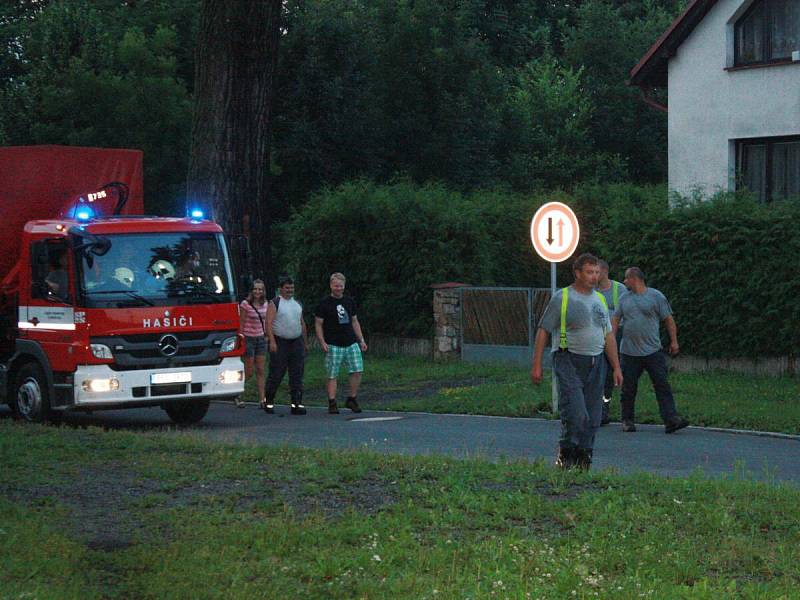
(498, 324)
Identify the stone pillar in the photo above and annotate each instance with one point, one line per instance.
(447, 321)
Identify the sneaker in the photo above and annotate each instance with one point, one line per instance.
(565, 458)
(333, 409)
(676, 424)
(628, 426)
(269, 408)
(353, 405)
(298, 409)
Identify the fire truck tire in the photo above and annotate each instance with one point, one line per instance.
(186, 413)
(30, 400)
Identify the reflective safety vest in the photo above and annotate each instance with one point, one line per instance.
(614, 293)
(564, 301)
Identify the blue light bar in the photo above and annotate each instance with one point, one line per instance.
(196, 213)
(83, 213)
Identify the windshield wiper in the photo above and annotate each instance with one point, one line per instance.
(133, 295)
(194, 290)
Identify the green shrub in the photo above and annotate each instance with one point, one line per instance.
(720, 262)
(391, 242)
(723, 265)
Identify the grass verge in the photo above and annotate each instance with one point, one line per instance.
(86, 513)
(414, 384)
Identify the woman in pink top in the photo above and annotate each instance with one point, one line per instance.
(252, 317)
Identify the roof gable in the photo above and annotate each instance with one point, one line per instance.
(651, 70)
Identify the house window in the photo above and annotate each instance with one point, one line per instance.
(768, 32)
(769, 167)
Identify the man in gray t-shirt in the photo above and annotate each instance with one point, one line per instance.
(643, 310)
(577, 321)
(610, 290)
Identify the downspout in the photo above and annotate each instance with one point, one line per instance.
(650, 101)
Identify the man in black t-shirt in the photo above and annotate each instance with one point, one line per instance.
(339, 335)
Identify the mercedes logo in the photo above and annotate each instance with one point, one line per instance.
(168, 345)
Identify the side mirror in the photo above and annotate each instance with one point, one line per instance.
(95, 244)
(100, 247)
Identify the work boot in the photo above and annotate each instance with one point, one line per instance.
(677, 422)
(604, 419)
(583, 458)
(628, 426)
(333, 409)
(352, 404)
(565, 459)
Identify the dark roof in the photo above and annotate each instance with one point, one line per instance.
(651, 70)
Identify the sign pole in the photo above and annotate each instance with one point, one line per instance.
(555, 233)
(553, 382)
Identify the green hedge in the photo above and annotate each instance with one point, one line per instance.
(725, 264)
(392, 243)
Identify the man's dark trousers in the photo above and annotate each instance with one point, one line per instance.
(580, 400)
(291, 354)
(608, 387)
(656, 366)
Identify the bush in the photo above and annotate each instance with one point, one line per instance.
(720, 262)
(392, 242)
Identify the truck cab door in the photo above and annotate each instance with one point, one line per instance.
(48, 315)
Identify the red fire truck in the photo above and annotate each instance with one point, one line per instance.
(102, 307)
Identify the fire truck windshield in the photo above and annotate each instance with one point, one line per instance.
(157, 269)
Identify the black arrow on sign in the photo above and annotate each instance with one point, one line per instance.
(549, 230)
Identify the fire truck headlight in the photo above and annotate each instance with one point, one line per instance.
(101, 385)
(101, 351)
(231, 376)
(229, 344)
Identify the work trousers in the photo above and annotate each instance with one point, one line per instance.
(608, 388)
(656, 366)
(291, 354)
(580, 396)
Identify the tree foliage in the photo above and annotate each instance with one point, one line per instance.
(521, 94)
(105, 74)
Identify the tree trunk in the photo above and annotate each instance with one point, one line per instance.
(237, 49)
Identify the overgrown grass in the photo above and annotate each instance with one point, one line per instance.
(410, 384)
(91, 514)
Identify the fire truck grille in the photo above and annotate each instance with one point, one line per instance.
(164, 349)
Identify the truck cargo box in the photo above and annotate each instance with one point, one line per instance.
(43, 182)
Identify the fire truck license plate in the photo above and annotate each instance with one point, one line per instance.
(159, 378)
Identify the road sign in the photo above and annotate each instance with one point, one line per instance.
(555, 232)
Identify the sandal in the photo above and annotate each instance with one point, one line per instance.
(239, 402)
(267, 408)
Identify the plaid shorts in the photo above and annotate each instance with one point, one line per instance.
(351, 356)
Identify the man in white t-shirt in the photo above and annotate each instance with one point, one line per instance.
(287, 337)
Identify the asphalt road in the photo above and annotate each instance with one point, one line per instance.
(714, 453)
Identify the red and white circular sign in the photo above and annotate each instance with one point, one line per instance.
(555, 232)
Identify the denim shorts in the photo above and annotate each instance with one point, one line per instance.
(255, 346)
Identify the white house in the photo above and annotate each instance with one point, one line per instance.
(732, 72)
